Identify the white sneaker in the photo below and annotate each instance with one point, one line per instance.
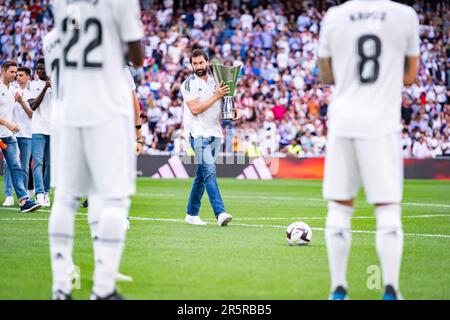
(223, 219)
(40, 199)
(46, 200)
(123, 277)
(194, 220)
(9, 201)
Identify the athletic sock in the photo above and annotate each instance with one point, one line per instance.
(110, 245)
(338, 241)
(94, 211)
(389, 243)
(61, 229)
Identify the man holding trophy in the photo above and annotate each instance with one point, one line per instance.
(207, 99)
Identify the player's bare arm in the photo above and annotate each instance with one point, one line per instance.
(410, 70)
(24, 104)
(136, 53)
(36, 103)
(326, 71)
(198, 107)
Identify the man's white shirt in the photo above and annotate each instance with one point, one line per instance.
(20, 117)
(41, 121)
(7, 101)
(368, 42)
(207, 123)
(99, 88)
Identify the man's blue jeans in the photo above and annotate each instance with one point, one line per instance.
(12, 160)
(206, 150)
(25, 155)
(40, 150)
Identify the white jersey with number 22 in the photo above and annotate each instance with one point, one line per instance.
(93, 34)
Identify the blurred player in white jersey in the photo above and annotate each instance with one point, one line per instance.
(52, 53)
(368, 50)
(94, 110)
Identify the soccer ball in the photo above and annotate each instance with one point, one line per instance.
(298, 234)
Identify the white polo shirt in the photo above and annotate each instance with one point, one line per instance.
(7, 101)
(20, 117)
(207, 123)
(41, 122)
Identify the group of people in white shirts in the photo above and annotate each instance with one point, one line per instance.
(25, 116)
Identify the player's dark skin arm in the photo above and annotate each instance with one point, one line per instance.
(136, 53)
(410, 70)
(326, 71)
(36, 103)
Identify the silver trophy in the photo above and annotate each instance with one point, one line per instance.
(227, 75)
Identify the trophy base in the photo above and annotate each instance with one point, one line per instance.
(228, 115)
(228, 108)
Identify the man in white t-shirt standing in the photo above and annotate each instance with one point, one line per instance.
(22, 115)
(7, 130)
(368, 49)
(41, 104)
(201, 121)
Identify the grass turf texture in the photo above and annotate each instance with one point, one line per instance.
(249, 259)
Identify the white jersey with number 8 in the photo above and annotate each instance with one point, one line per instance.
(93, 34)
(367, 42)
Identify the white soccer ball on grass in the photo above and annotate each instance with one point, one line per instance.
(298, 234)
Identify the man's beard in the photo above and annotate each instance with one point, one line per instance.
(200, 72)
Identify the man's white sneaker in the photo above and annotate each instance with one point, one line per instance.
(223, 219)
(46, 200)
(194, 220)
(9, 201)
(40, 199)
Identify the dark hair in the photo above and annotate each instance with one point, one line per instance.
(7, 64)
(198, 53)
(24, 69)
(40, 61)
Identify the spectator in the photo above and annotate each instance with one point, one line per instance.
(420, 149)
(277, 45)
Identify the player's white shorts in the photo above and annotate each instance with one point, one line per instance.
(376, 163)
(97, 160)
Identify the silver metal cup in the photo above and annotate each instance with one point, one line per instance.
(229, 76)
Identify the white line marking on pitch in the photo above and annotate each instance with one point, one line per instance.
(234, 224)
(30, 219)
(26, 213)
(356, 217)
(250, 225)
(284, 227)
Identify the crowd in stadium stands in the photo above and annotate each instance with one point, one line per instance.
(284, 105)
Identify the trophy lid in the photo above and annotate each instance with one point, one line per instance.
(224, 73)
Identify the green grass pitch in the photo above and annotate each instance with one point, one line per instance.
(250, 258)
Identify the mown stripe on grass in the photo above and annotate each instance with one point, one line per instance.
(260, 197)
